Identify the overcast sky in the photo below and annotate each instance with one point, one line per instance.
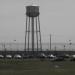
(57, 17)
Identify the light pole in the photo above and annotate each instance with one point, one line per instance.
(10, 46)
(4, 50)
(64, 47)
(64, 51)
(55, 52)
(70, 43)
(50, 42)
(15, 44)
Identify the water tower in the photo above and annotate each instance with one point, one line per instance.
(32, 34)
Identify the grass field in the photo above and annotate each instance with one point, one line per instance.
(36, 67)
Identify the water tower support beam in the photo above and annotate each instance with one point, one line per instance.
(28, 33)
(25, 34)
(33, 35)
(37, 34)
(40, 34)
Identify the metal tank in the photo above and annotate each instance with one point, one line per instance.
(32, 11)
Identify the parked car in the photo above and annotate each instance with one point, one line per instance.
(72, 58)
(59, 58)
(51, 56)
(17, 56)
(9, 56)
(1, 56)
(66, 56)
(42, 55)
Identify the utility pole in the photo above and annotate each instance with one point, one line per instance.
(50, 42)
(64, 47)
(4, 50)
(70, 43)
(55, 52)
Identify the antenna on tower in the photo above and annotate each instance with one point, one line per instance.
(35, 2)
(32, 2)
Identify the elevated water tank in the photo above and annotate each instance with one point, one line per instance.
(32, 11)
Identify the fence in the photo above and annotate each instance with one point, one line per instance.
(46, 46)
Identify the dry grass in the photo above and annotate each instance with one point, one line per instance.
(36, 67)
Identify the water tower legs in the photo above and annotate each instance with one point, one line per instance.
(33, 43)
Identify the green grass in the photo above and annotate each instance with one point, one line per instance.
(36, 67)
